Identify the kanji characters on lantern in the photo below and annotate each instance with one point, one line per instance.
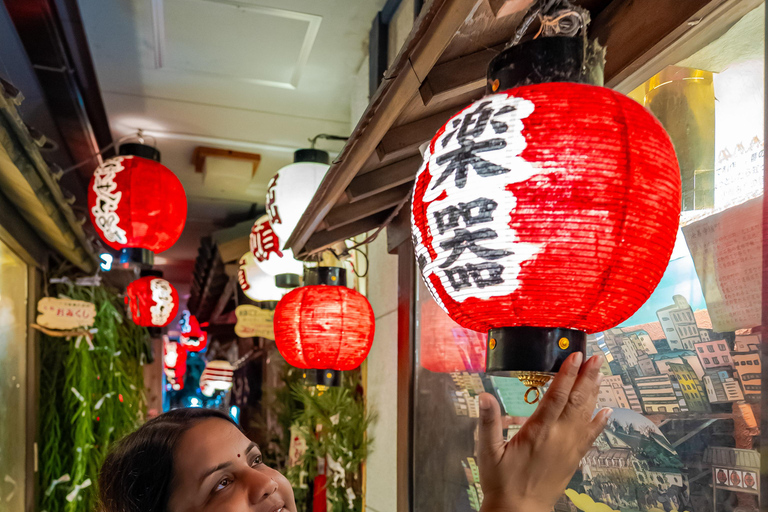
(265, 247)
(174, 363)
(137, 203)
(153, 301)
(551, 206)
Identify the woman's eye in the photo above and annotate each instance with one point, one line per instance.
(256, 461)
(223, 484)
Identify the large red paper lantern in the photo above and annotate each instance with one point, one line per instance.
(153, 301)
(138, 203)
(549, 208)
(324, 327)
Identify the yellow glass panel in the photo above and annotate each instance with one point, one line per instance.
(13, 378)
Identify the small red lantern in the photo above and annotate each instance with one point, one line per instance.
(193, 338)
(174, 364)
(324, 327)
(137, 203)
(153, 301)
(545, 212)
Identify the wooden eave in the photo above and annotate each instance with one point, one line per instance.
(441, 68)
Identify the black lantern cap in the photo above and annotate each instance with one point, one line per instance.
(532, 349)
(547, 59)
(142, 150)
(311, 155)
(287, 280)
(331, 276)
(136, 256)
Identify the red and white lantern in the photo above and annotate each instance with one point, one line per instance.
(217, 376)
(135, 202)
(193, 338)
(153, 301)
(174, 364)
(256, 284)
(548, 206)
(265, 247)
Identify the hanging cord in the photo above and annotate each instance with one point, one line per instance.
(138, 135)
(325, 136)
(381, 228)
(556, 18)
(367, 263)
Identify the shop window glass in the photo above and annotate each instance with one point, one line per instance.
(13, 378)
(688, 420)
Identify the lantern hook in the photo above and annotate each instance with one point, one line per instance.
(325, 136)
(535, 399)
(556, 18)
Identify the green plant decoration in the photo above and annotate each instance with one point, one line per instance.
(333, 423)
(91, 396)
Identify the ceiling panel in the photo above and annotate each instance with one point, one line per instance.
(261, 45)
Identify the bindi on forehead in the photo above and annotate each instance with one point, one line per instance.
(238, 455)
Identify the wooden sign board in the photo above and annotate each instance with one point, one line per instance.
(253, 321)
(65, 314)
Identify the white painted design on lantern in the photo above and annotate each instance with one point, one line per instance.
(255, 283)
(108, 200)
(162, 296)
(478, 155)
(265, 247)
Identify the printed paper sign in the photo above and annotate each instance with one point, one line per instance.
(253, 321)
(727, 252)
(297, 448)
(65, 314)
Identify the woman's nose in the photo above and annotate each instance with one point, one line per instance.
(260, 486)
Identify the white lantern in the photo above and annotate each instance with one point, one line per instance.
(217, 376)
(255, 283)
(291, 190)
(265, 247)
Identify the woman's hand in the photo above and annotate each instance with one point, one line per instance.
(530, 472)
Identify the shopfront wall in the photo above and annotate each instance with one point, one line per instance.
(684, 373)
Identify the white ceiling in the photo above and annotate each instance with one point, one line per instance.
(260, 76)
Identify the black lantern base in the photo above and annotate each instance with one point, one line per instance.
(532, 349)
(134, 256)
(287, 280)
(322, 379)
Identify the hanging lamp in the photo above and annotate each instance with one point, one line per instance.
(549, 208)
(137, 205)
(326, 326)
(152, 301)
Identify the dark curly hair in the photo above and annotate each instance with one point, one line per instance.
(137, 474)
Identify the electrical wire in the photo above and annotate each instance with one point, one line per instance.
(138, 135)
(367, 263)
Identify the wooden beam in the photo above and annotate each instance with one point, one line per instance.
(226, 295)
(406, 307)
(405, 140)
(503, 8)
(348, 213)
(324, 239)
(384, 178)
(713, 22)
(633, 31)
(435, 27)
(458, 76)
(399, 231)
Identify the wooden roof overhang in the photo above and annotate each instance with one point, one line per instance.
(442, 68)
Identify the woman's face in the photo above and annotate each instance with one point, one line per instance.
(217, 468)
